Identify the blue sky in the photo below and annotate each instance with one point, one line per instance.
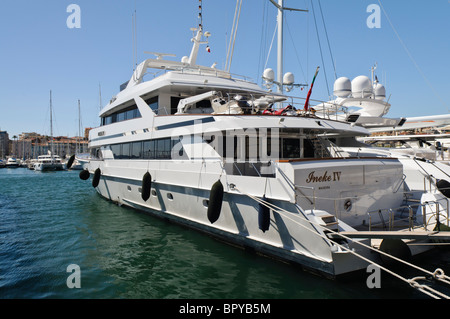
(40, 53)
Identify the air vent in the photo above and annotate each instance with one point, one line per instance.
(352, 118)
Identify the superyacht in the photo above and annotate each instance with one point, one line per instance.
(217, 153)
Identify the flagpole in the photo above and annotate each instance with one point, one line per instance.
(306, 108)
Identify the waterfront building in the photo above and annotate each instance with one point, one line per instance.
(4, 144)
(32, 145)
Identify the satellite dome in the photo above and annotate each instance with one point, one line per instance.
(361, 87)
(380, 92)
(342, 87)
(269, 75)
(288, 78)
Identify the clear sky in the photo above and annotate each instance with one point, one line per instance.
(39, 52)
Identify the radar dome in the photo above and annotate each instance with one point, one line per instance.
(380, 92)
(342, 87)
(269, 75)
(288, 78)
(361, 87)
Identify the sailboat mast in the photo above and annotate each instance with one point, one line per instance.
(51, 126)
(79, 128)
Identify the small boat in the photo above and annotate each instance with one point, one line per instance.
(12, 163)
(48, 163)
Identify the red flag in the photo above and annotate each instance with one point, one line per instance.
(310, 90)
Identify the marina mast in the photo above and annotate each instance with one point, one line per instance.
(280, 20)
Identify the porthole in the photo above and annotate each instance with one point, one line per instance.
(153, 192)
(170, 196)
(129, 188)
(206, 203)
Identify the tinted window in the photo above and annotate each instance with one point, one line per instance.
(117, 150)
(125, 151)
(136, 150)
(149, 149)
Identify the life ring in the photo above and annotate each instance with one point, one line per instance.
(96, 179)
(215, 202)
(146, 186)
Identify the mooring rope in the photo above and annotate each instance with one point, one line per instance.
(438, 274)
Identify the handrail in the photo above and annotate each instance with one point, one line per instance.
(391, 214)
(313, 201)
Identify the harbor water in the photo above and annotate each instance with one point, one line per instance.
(50, 221)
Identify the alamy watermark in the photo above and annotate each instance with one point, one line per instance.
(74, 19)
(374, 279)
(74, 279)
(374, 20)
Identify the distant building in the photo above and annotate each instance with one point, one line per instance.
(4, 144)
(31, 145)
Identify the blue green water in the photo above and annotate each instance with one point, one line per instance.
(49, 221)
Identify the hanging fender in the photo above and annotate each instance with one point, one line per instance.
(96, 179)
(444, 187)
(70, 162)
(215, 202)
(84, 174)
(146, 186)
(263, 216)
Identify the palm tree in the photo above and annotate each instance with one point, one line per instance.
(15, 144)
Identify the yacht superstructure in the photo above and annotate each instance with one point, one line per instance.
(48, 163)
(197, 146)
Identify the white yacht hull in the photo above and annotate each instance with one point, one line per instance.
(42, 167)
(180, 194)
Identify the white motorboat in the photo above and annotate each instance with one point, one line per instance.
(194, 146)
(12, 162)
(48, 163)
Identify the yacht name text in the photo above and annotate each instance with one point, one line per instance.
(334, 177)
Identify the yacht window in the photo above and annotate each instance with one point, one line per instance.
(125, 151)
(152, 149)
(291, 148)
(163, 149)
(122, 115)
(308, 149)
(152, 103)
(149, 149)
(131, 114)
(116, 150)
(174, 100)
(136, 150)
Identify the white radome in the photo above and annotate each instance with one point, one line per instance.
(342, 87)
(361, 87)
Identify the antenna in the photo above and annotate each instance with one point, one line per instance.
(200, 13)
(134, 31)
(100, 96)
